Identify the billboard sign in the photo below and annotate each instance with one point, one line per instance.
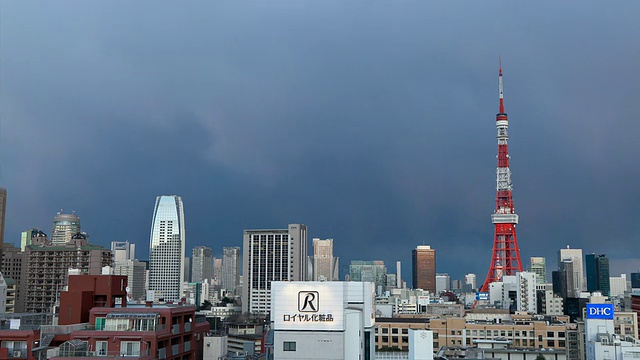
(600, 311)
(307, 305)
(482, 296)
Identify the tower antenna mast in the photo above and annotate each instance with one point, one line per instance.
(505, 257)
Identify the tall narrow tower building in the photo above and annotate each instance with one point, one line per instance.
(505, 257)
(423, 268)
(166, 248)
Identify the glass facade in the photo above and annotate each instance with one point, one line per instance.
(166, 248)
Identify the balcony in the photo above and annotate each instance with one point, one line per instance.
(175, 349)
(162, 353)
(175, 329)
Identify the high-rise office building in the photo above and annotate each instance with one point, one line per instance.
(125, 263)
(217, 271)
(538, 266)
(398, 275)
(271, 255)
(424, 268)
(123, 250)
(443, 283)
(64, 227)
(470, 279)
(324, 266)
(369, 271)
(635, 281)
(166, 248)
(575, 255)
(597, 273)
(230, 278)
(201, 264)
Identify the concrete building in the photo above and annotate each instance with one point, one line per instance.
(15, 267)
(271, 255)
(3, 294)
(524, 331)
(515, 292)
(11, 295)
(323, 320)
(424, 268)
(618, 285)
(217, 271)
(470, 279)
(369, 271)
(166, 248)
(47, 267)
(201, 264)
(125, 263)
(324, 266)
(123, 250)
(135, 271)
(635, 307)
(64, 227)
(601, 342)
(550, 303)
(443, 283)
(575, 257)
(231, 269)
(538, 265)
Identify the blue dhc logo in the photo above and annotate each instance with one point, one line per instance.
(600, 311)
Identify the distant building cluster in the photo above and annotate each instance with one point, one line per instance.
(280, 296)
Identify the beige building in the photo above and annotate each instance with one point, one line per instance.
(523, 331)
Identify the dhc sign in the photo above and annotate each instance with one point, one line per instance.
(600, 311)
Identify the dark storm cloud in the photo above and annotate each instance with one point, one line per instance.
(372, 123)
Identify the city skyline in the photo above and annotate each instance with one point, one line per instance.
(363, 143)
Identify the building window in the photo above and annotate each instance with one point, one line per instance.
(130, 348)
(102, 348)
(289, 346)
(16, 349)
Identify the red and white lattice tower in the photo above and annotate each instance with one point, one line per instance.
(505, 258)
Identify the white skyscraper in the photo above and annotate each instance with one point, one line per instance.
(575, 256)
(271, 255)
(166, 248)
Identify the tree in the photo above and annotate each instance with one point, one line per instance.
(540, 357)
(206, 305)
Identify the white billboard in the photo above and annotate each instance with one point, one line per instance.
(307, 305)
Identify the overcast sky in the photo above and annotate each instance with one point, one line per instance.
(371, 122)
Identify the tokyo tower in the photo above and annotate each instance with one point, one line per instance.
(505, 258)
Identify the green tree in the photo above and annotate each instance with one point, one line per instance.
(540, 357)
(206, 305)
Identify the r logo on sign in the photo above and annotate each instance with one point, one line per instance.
(308, 301)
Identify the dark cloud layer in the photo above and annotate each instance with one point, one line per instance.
(373, 123)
